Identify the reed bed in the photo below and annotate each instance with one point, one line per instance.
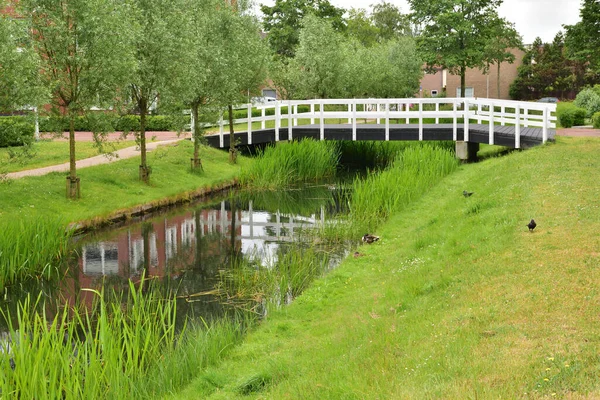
(32, 248)
(287, 163)
(123, 349)
(414, 171)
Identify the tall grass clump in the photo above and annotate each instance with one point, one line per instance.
(32, 248)
(122, 349)
(414, 170)
(287, 163)
(370, 154)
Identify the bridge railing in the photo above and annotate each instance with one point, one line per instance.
(286, 114)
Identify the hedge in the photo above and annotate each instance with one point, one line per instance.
(570, 115)
(16, 131)
(596, 120)
(126, 123)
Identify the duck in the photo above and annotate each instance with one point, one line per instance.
(368, 238)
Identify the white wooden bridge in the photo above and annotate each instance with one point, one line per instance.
(514, 124)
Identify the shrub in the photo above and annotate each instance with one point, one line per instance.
(596, 120)
(570, 115)
(588, 99)
(15, 131)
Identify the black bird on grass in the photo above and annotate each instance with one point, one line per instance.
(368, 238)
(531, 225)
(467, 194)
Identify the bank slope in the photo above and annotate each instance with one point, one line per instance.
(457, 300)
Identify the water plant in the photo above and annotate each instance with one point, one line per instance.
(286, 163)
(32, 248)
(415, 169)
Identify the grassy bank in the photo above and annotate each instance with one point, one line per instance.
(458, 300)
(45, 153)
(109, 189)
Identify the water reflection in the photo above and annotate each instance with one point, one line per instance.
(188, 249)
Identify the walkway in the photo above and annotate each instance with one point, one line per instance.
(162, 139)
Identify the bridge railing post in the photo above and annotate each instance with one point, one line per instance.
(349, 113)
(491, 116)
(454, 120)
(545, 127)
(387, 120)
(466, 119)
(407, 109)
(249, 123)
(518, 127)
(289, 120)
(420, 120)
(312, 112)
(437, 110)
(263, 122)
(354, 119)
(277, 119)
(322, 120)
(221, 137)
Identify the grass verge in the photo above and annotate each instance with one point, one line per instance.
(114, 189)
(457, 300)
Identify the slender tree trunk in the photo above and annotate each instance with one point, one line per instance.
(463, 80)
(73, 190)
(145, 170)
(196, 162)
(232, 150)
(498, 81)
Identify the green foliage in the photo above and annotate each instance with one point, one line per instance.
(596, 120)
(415, 170)
(582, 38)
(31, 248)
(16, 131)
(568, 115)
(287, 163)
(284, 20)
(589, 99)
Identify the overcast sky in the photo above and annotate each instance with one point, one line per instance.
(532, 18)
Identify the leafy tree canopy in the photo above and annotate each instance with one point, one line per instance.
(385, 22)
(582, 39)
(283, 21)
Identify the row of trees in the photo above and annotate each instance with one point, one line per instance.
(451, 34)
(126, 54)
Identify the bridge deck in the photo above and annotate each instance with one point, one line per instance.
(478, 133)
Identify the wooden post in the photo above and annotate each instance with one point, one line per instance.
(518, 126)
(455, 121)
(221, 123)
(277, 119)
(491, 129)
(387, 121)
(322, 119)
(354, 120)
(262, 114)
(545, 128)
(249, 123)
(289, 120)
(420, 120)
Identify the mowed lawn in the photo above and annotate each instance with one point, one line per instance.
(458, 300)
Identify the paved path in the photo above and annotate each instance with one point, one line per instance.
(164, 138)
(579, 131)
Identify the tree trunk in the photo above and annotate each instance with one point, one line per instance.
(196, 162)
(463, 80)
(145, 170)
(232, 150)
(498, 81)
(73, 189)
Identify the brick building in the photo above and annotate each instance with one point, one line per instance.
(478, 84)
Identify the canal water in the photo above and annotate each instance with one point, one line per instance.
(187, 251)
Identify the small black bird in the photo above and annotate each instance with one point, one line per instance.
(367, 238)
(531, 225)
(467, 194)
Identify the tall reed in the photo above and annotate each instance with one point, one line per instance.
(32, 248)
(414, 170)
(286, 163)
(121, 350)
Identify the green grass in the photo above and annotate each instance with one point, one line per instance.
(111, 188)
(45, 153)
(457, 300)
(287, 163)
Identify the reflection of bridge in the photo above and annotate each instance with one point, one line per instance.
(126, 253)
(513, 124)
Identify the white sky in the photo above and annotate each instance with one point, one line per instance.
(532, 18)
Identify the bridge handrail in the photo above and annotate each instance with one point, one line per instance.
(469, 110)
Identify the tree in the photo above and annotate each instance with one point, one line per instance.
(390, 22)
(283, 21)
(20, 81)
(546, 71)
(582, 39)
(361, 28)
(84, 63)
(244, 57)
(504, 39)
(160, 49)
(455, 33)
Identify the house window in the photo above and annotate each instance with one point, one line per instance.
(469, 92)
(434, 93)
